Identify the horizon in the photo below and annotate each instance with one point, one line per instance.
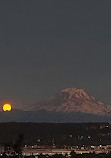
(24, 107)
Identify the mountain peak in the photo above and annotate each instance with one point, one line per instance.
(74, 100)
(77, 92)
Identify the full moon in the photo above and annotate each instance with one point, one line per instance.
(7, 107)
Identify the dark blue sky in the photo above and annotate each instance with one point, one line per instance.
(47, 45)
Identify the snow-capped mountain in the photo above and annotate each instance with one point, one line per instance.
(73, 100)
(70, 105)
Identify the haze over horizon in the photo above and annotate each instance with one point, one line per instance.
(46, 46)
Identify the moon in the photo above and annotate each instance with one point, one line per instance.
(7, 107)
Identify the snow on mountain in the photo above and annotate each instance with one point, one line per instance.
(73, 100)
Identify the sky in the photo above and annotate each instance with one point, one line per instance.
(46, 46)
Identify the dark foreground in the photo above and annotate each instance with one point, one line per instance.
(58, 134)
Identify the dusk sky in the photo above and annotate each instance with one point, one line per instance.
(49, 45)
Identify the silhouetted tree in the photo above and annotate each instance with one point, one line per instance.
(18, 146)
